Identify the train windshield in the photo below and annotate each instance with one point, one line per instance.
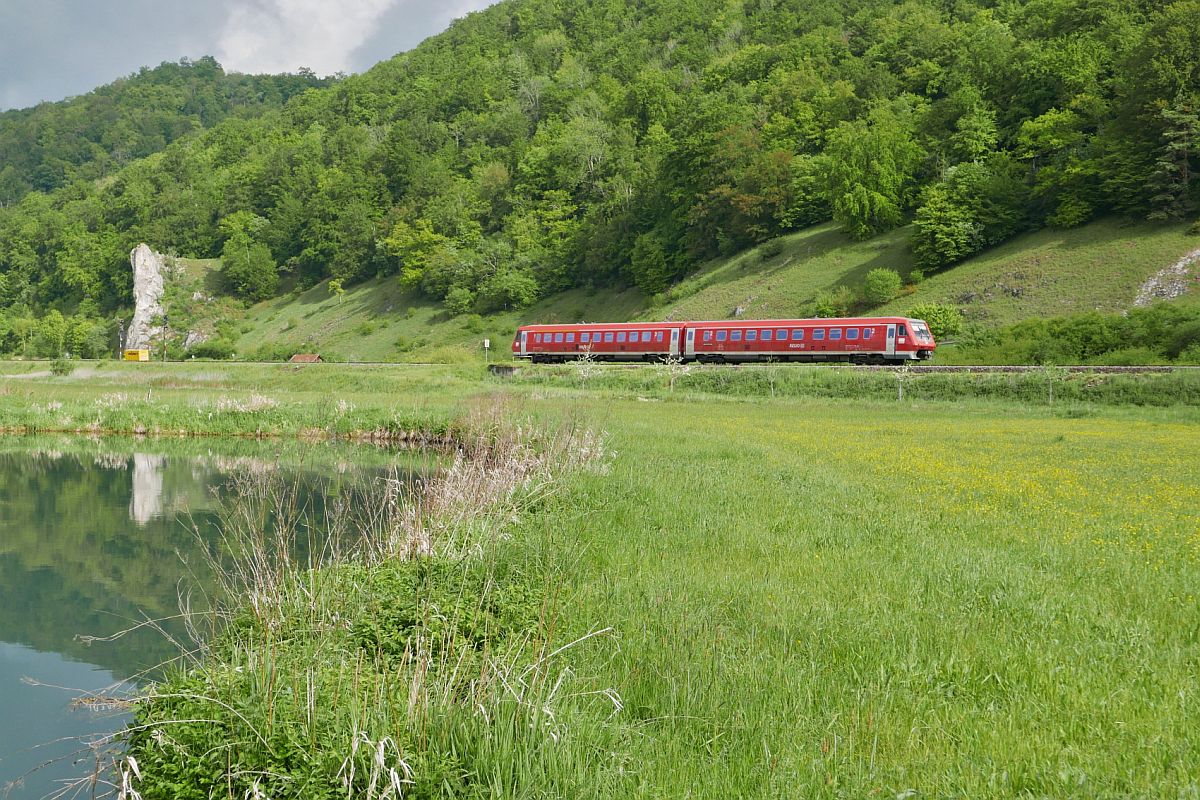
(921, 330)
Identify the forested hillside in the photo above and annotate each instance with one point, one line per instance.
(547, 144)
(56, 144)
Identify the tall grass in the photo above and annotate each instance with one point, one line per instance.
(1041, 387)
(411, 653)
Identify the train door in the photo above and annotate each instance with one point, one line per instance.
(891, 340)
(690, 351)
(675, 342)
(524, 343)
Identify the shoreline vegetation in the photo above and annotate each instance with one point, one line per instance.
(421, 660)
(753, 583)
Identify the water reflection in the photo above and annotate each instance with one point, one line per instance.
(94, 540)
(147, 500)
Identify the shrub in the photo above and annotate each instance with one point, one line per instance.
(473, 323)
(881, 285)
(833, 304)
(1128, 357)
(459, 300)
(217, 349)
(61, 367)
(1186, 337)
(943, 320)
(771, 249)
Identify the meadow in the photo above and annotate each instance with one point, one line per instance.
(828, 599)
(788, 596)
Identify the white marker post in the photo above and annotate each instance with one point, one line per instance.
(487, 344)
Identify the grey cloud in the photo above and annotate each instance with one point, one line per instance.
(406, 23)
(50, 49)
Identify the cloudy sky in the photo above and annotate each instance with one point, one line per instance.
(51, 49)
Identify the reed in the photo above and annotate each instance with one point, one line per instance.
(394, 644)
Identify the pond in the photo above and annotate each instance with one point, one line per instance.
(97, 538)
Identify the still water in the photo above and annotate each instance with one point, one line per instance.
(94, 539)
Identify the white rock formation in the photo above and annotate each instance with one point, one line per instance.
(1169, 283)
(144, 329)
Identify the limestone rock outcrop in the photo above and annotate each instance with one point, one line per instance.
(148, 268)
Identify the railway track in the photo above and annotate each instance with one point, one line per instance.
(916, 369)
(919, 369)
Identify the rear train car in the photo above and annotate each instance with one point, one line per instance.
(617, 341)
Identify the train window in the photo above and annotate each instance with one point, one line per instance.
(708, 336)
(751, 336)
(585, 337)
(901, 330)
(621, 336)
(868, 333)
(658, 336)
(798, 335)
(835, 334)
(851, 333)
(558, 337)
(537, 337)
(608, 337)
(735, 336)
(570, 337)
(819, 334)
(765, 335)
(722, 335)
(645, 336)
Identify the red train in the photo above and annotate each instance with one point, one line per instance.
(878, 340)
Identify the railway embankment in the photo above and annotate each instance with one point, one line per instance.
(1036, 386)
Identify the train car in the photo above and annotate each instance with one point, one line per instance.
(616, 341)
(879, 340)
(854, 339)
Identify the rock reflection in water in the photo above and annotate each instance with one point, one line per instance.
(147, 500)
(94, 540)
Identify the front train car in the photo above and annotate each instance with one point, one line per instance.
(923, 344)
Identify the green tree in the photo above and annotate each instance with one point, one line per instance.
(870, 169)
(247, 267)
(508, 288)
(414, 245)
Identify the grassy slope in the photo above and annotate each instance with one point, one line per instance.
(1052, 272)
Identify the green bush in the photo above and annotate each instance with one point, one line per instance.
(61, 367)
(473, 323)
(943, 320)
(1161, 332)
(771, 249)
(1185, 337)
(459, 300)
(881, 285)
(833, 304)
(1128, 357)
(216, 349)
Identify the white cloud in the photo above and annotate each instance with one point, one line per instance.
(283, 35)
